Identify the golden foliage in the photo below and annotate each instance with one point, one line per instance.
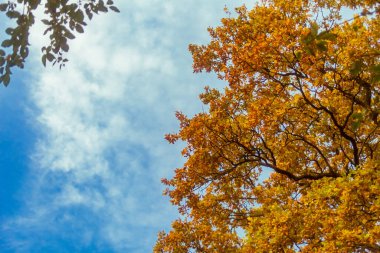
(302, 102)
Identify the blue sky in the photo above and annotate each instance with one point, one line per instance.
(82, 150)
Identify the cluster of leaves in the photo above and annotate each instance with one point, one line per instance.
(303, 103)
(63, 19)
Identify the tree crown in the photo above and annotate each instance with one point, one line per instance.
(303, 102)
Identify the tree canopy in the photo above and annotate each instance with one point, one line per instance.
(63, 18)
(302, 102)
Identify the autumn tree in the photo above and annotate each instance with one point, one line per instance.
(302, 102)
(63, 18)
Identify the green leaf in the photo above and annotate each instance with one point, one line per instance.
(114, 8)
(56, 49)
(48, 30)
(6, 43)
(357, 120)
(89, 14)
(24, 52)
(5, 79)
(322, 45)
(46, 22)
(355, 125)
(65, 47)
(298, 55)
(69, 35)
(50, 57)
(314, 28)
(326, 35)
(44, 60)
(79, 16)
(309, 51)
(3, 7)
(308, 39)
(375, 71)
(9, 30)
(13, 14)
(102, 8)
(357, 116)
(34, 3)
(20, 64)
(79, 28)
(356, 67)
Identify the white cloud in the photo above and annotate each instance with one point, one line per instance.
(101, 154)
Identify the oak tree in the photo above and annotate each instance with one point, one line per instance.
(302, 102)
(63, 18)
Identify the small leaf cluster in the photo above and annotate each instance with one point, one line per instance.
(63, 18)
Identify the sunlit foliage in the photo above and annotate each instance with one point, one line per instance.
(303, 102)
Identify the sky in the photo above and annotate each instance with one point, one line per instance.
(82, 149)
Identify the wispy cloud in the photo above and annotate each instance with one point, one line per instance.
(95, 178)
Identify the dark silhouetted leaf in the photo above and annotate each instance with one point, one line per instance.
(3, 7)
(6, 43)
(115, 9)
(44, 60)
(79, 28)
(9, 30)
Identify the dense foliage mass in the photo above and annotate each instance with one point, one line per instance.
(62, 19)
(303, 102)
